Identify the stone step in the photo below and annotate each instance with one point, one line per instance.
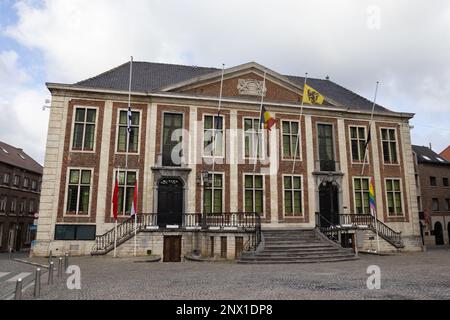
(299, 261)
(300, 251)
(297, 246)
(265, 256)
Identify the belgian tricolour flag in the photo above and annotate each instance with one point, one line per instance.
(267, 119)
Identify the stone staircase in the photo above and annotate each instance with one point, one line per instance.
(282, 246)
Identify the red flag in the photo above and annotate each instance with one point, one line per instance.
(134, 204)
(116, 199)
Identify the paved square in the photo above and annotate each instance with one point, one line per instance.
(424, 275)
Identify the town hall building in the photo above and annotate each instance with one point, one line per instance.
(210, 180)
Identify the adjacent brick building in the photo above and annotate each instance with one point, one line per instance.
(433, 195)
(446, 153)
(20, 183)
(86, 147)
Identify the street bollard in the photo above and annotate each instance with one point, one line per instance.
(37, 283)
(50, 273)
(60, 266)
(66, 261)
(18, 292)
(50, 257)
(10, 253)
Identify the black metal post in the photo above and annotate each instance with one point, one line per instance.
(50, 273)
(37, 283)
(18, 292)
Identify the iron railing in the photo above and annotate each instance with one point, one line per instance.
(249, 222)
(359, 221)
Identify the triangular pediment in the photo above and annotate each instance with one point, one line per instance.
(244, 81)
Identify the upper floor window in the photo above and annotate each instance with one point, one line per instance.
(291, 141)
(78, 191)
(6, 178)
(445, 182)
(213, 136)
(127, 184)
(361, 189)
(435, 204)
(23, 204)
(358, 143)
(389, 141)
(253, 138)
(13, 204)
(433, 181)
(213, 194)
(16, 180)
(84, 129)
(292, 186)
(31, 206)
(133, 145)
(447, 203)
(3, 200)
(394, 197)
(33, 185)
(326, 147)
(26, 182)
(253, 193)
(172, 149)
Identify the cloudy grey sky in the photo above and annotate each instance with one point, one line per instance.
(403, 44)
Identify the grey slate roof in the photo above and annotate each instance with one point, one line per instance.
(426, 155)
(149, 77)
(12, 157)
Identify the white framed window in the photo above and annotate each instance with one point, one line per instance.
(213, 136)
(33, 185)
(28, 234)
(254, 193)
(3, 200)
(358, 140)
(291, 139)
(1, 234)
(253, 139)
(361, 193)
(31, 206)
(394, 197)
(23, 203)
(133, 143)
(127, 182)
(6, 178)
(292, 196)
(79, 191)
(16, 180)
(389, 145)
(13, 204)
(213, 194)
(26, 182)
(83, 136)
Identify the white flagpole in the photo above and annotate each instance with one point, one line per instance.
(299, 125)
(214, 123)
(373, 212)
(259, 120)
(115, 238)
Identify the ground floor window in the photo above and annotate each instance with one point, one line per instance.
(127, 183)
(78, 191)
(74, 232)
(292, 186)
(361, 190)
(394, 197)
(213, 194)
(253, 193)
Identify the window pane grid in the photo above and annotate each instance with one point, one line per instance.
(213, 194)
(292, 196)
(254, 193)
(253, 139)
(213, 129)
(394, 197)
(84, 129)
(361, 190)
(127, 182)
(78, 191)
(290, 137)
(358, 143)
(133, 142)
(389, 143)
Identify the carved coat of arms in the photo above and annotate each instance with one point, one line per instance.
(250, 87)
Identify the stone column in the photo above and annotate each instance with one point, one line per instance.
(310, 168)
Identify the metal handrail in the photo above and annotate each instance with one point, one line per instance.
(248, 221)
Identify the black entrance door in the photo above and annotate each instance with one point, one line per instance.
(328, 203)
(438, 234)
(170, 202)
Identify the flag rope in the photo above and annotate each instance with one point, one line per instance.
(259, 120)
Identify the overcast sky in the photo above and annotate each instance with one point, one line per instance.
(403, 44)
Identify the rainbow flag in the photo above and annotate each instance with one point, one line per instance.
(267, 119)
(372, 197)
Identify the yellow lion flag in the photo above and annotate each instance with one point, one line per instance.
(312, 96)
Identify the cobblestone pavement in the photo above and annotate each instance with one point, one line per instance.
(424, 275)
